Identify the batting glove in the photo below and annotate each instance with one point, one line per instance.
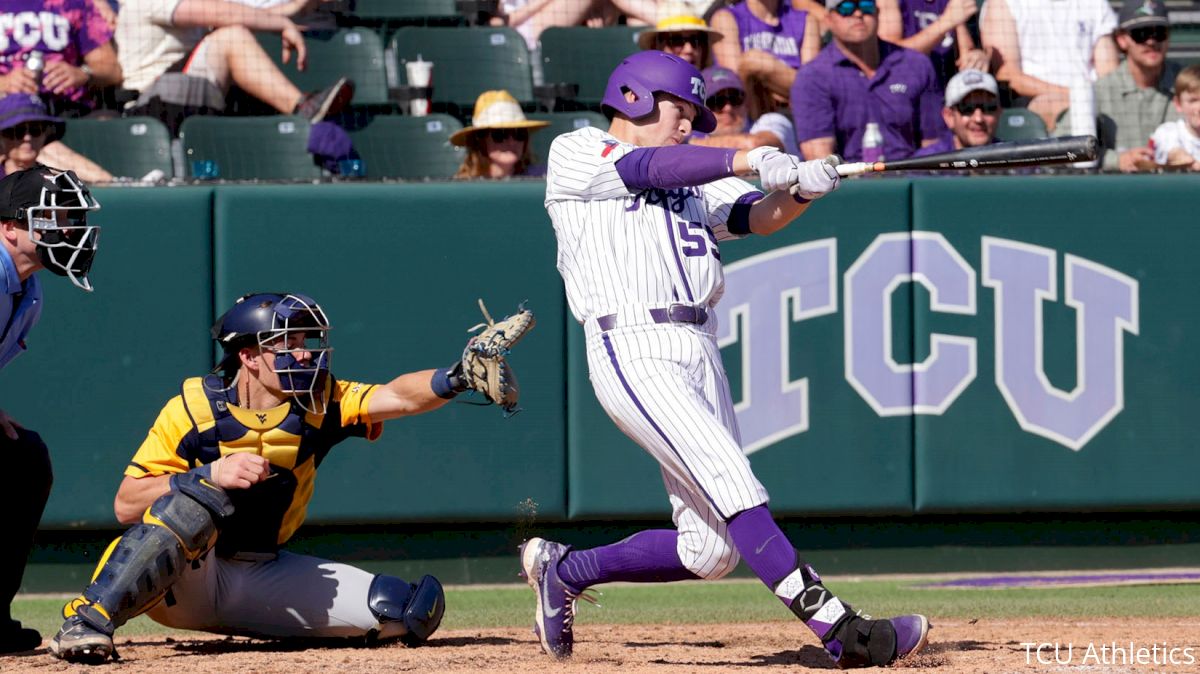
(817, 178)
(776, 170)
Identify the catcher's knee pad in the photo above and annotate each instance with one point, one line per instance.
(410, 611)
(139, 567)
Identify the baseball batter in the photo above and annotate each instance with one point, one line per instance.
(43, 224)
(225, 477)
(639, 220)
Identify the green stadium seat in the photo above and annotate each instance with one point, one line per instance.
(128, 147)
(585, 56)
(356, 53)
(409, 148)
(560, 123)
(1020, 124)
(248, 148)
(467, 62)
(406, 9)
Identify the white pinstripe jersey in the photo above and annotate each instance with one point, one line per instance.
(617, 248)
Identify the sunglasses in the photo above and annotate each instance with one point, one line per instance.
(848, 7)
(19, 131)
(677, 40)
(967, 109)
(501, 135)
(1142, 35)
(719, 101)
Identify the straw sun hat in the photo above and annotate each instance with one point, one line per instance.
(681, 23)
(495, 110)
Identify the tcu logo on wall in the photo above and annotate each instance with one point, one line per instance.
(1022, 277)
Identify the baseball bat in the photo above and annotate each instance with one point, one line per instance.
(1064, 150)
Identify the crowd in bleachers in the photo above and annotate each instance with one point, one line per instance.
(161, 90)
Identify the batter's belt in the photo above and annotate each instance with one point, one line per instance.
(676, 313)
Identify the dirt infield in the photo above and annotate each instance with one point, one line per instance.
(962, 647)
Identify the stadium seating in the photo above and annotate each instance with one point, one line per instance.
(467, 62)
(1020, 124)
(129, 147)
(409, 147)
(585, 56)
(354, 52)
(406, 9)
(247, 148)
(560, 123)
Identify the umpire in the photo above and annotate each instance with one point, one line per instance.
(43, 221)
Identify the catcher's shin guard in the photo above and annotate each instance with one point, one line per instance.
(853, 640)
(139, 567)
(410, 611)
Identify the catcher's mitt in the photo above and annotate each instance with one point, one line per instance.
(484, 368)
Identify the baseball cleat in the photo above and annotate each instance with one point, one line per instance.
(555, 601)
(912, 634)
(79, 642)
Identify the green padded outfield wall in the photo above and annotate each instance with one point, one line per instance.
(100, 365)
(1077, 290)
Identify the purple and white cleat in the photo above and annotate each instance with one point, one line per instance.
(555, 600)
(912, 634)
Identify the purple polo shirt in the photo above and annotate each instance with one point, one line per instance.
(944, 144)
(63, 30)
(832, 98)
(917, 15)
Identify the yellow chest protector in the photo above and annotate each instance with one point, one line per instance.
(291, 439)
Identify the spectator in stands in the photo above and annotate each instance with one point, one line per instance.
(765, 40)
(74, 40)
(531, 17)
(1177, 143)
(211, 41)
(937, 28)
(728, 101)
(1042, 49)
(971, 112)
(30, 135)
(497, 141)
(684, 35)
(1133, 100)
(858, 80)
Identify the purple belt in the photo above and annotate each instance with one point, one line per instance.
(676, 313)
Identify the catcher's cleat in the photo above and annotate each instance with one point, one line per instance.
(79, 642)
(555, 599)
(863, 641)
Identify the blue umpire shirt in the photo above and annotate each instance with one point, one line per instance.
(20, 308)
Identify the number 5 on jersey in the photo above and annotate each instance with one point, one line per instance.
(697, 239)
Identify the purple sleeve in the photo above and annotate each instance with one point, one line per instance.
(812, 105)
(739, 215)
(94, 31)
(674, 166)
(932, 100)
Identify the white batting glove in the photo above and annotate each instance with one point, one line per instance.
(776, 170)
(817, 178)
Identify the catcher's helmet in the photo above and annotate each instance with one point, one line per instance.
(649, 71)
(54, 204)
(266, 321)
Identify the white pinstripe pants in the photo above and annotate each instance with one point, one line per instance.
(665, 387)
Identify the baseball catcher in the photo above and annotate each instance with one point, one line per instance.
(224, 478)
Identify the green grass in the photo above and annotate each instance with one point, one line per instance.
(742, 601)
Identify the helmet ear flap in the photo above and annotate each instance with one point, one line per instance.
(644, 105)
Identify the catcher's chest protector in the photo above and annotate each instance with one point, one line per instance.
(269, 512)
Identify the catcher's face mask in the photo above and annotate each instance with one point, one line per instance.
(299, 342)
(66, 244)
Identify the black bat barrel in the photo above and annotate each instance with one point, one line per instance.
(1064, 150)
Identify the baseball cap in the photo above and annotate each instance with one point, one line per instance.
(19, 108)
(967, 81)
(717, 78)
(1139, 13)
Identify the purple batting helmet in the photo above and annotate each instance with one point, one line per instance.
(649, 71)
